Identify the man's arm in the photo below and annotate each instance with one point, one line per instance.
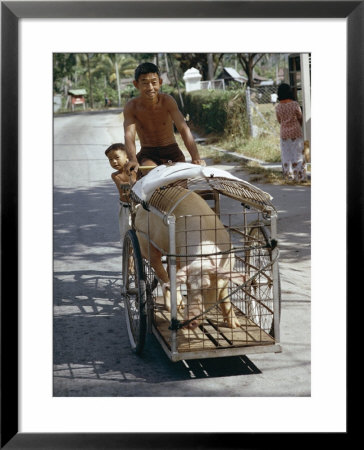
(184, 131)
(130, 134)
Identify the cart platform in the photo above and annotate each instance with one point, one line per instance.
(212, 334)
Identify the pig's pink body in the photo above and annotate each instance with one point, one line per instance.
(206, 277)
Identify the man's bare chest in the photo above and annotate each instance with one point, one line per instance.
(151, 117)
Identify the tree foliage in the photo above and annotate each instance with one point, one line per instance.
(199, 61)
(63, 64)
(248, 62)
(98, 73)
(103, 74)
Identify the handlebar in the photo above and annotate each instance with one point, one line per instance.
(146, 167)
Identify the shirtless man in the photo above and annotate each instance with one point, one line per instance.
(151, 115)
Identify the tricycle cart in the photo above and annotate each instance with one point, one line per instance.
(250, 219)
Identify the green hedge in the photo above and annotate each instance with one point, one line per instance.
(216, 111)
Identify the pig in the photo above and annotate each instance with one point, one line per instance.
(206, 277)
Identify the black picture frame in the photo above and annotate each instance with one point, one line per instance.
(11, 12)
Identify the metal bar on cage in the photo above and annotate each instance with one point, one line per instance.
(149, 311)
(233, 291)
(256, 299)
(237, 231)
(172, 278)
(276, 305)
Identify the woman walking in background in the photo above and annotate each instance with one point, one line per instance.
(289, 116)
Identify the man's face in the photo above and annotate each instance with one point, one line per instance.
(117, 159)
(148, 85)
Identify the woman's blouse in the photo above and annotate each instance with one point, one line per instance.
(289, 115)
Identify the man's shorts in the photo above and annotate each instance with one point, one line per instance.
(161, 155)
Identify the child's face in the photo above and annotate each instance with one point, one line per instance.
(148, 85)
(117, 159)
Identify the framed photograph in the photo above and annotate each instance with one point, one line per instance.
(32, 415)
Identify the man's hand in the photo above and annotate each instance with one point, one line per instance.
(131, 166)
(199, 162)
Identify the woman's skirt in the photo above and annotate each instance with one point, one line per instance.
(293, 160)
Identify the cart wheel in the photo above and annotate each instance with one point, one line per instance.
(261, 288)
(134, 291)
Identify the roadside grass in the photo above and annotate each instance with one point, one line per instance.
(266, 148)
(257, 173)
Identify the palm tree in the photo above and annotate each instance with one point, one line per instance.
(85, 63)
(116, 65)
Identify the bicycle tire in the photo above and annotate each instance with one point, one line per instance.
(134, 292)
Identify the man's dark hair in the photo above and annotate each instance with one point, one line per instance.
(117, 146)
(146, 68)
(285, 92)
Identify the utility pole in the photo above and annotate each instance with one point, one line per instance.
(306, 95)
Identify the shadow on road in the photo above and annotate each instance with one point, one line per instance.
(86, 229)
(91, 341)
(85, 223)
(90, 338)
(86, 288)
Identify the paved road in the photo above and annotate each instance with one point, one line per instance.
(92, 356)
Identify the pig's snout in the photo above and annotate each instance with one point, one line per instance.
(193, 324)
(191, 315)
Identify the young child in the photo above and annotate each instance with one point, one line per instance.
(151, 115)
(116, 155)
